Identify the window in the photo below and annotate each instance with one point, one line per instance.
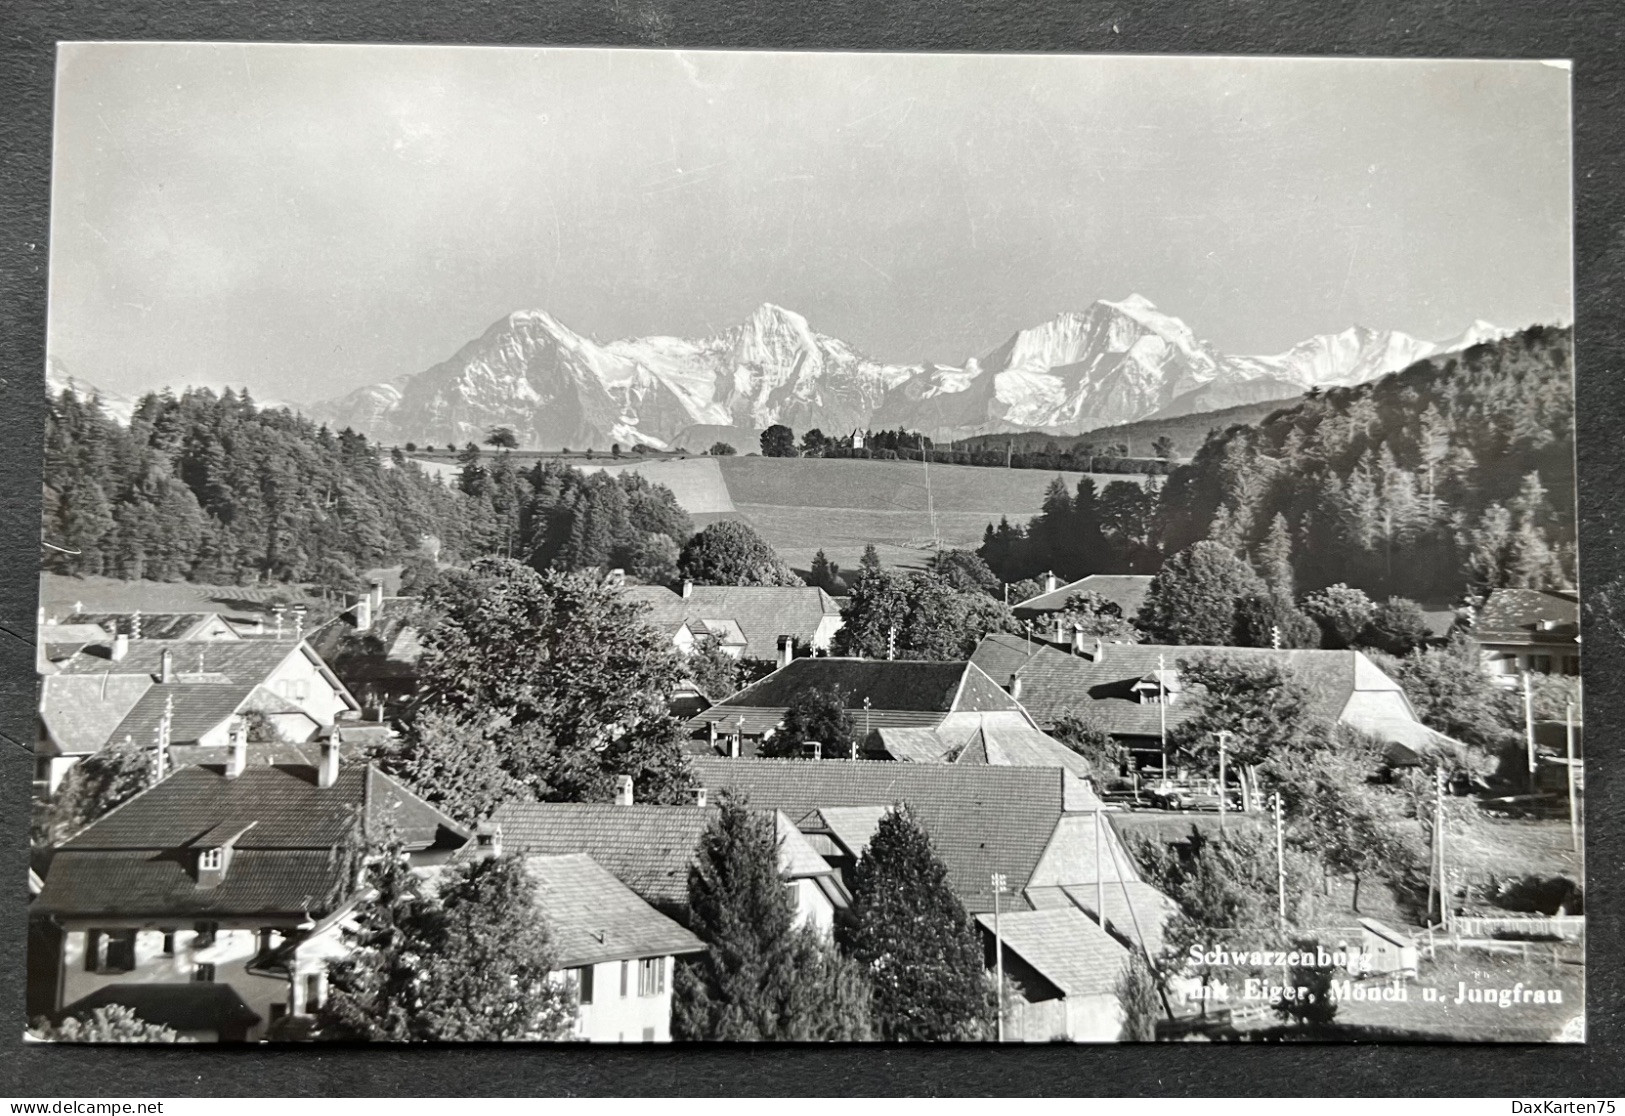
(203, 974)
(648, 1034)
(266, 941)
(278, 1011)
(313, 992)
(206, 932)
(651, 976)
(110, 951)
(169, 943)
(211, 860)
(626, 970)
(584, 984)
(294, 689)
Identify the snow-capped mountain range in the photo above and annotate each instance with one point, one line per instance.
(1112, 363)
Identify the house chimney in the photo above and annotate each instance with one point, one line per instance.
(363, 614)
(166, 667)
(787, 650)
(1077, 639)
(733, 746)
(237, 756)
(328, 773)
(488, 839)
(623, 790)
(1100, 649)
(375, 594)
(688, 587)
(1060, 631)
(1015, 686)
(1051, 582)
(121, 646)
(700, 797)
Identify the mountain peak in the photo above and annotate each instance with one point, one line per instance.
(1133, 302)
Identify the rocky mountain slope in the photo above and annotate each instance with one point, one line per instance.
(1112, 363)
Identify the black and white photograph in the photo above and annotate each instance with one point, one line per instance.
(585, 545)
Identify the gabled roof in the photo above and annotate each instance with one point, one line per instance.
(851, 827)
(154, 625)
(137, 860)
(196, 708)
(648, 848)
(1530, 616)
(246, 661)
(595, 917)
(1136, 912)
(394, 628)
(1055, 683)
(902, 693)
(80, 632)
(78, 713)
(1066, 946)
(1127, 591)
(981, 819)
(762, 613)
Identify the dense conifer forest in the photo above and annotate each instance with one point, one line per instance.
(212, 488)
(1455, 475)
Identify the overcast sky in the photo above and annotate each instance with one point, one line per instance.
(308, 219)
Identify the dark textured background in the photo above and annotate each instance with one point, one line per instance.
(1589, 33)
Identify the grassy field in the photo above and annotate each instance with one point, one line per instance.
(803, 505)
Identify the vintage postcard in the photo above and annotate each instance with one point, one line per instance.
(648, 546)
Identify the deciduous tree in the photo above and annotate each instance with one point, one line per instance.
(1193, 599)
(731, 553)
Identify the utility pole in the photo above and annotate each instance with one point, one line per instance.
(1162, 712)
(1574, 798)
(1100, 884)
(999, 884)
(1438, 843)
(1529, 726)
(1223, 735)
(1280, 864)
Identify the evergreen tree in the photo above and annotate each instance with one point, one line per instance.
(1274, 558)
(759, 979)
(827, 575)
(91, 788)
(923, 954)
(1137, 993)
(870, 561)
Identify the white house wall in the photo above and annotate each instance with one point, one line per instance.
(612, 1017)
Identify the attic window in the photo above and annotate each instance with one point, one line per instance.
(211, 860)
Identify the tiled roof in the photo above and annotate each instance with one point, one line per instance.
(245, 661)
(74, 632)
(154, 883)
(903, 693)
(185, 1007)
(648, 848)
(154, 625)
(981, 819)
(1066, 946)
(1517, 615)
(762, 612)
(1127, 591)
(1142, 913)
(595, 917)
(78, 713)
(1054, 683)
(196, 709)
(913, 745)
(850, 826)
(138, 859)
(394, 626)
(292, 811)
(1010, 740)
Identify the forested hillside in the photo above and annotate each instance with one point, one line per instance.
(1456, 473)
(209, 487)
